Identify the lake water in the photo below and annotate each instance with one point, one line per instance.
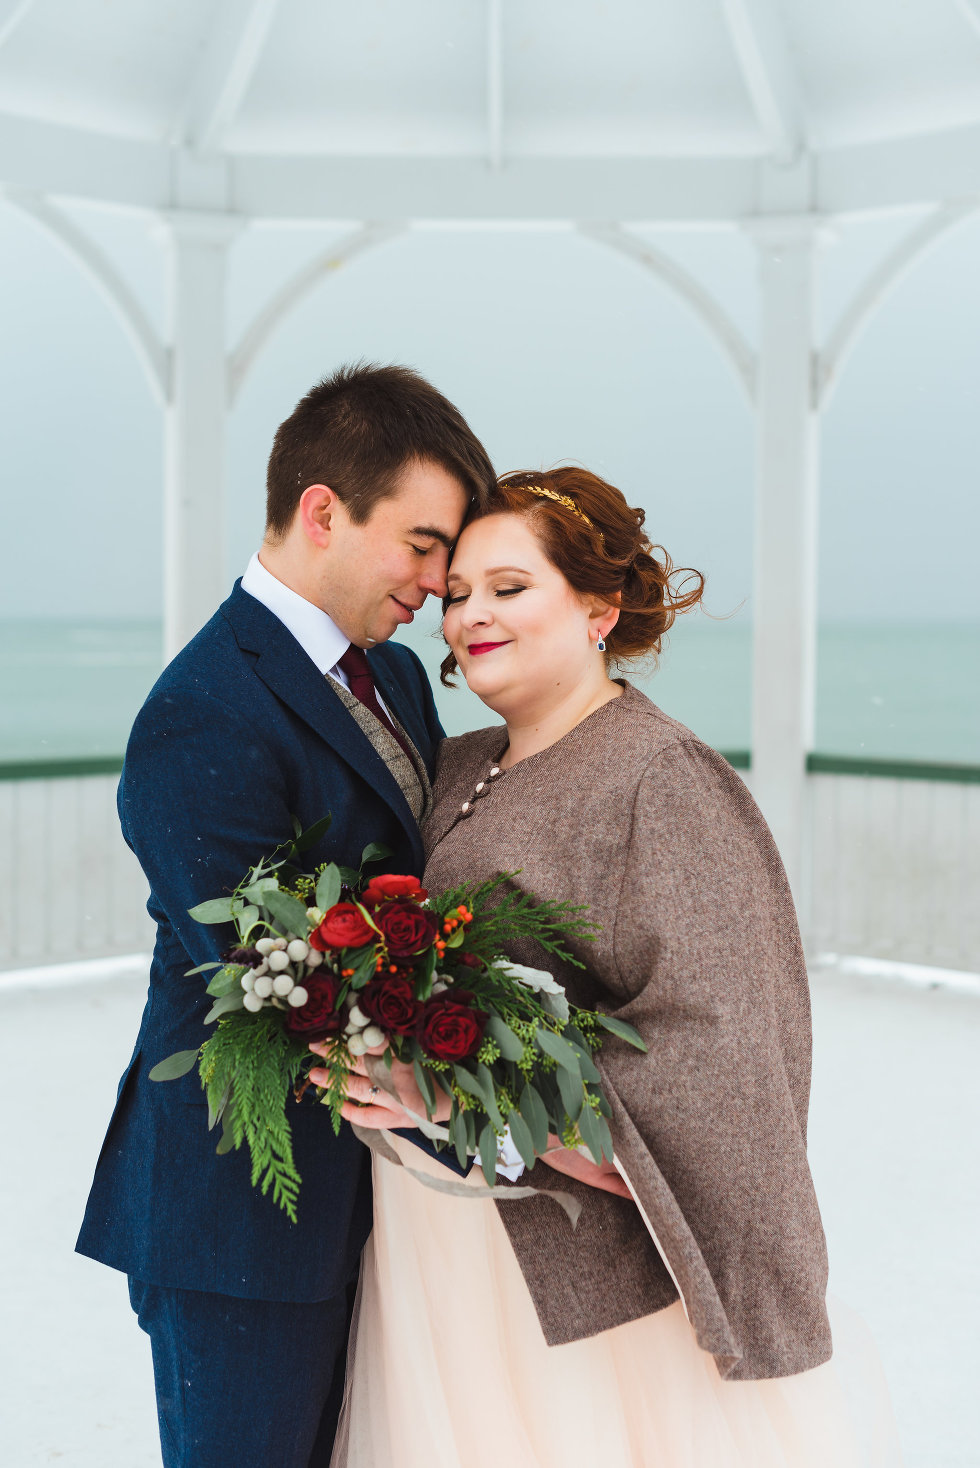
(72, 688)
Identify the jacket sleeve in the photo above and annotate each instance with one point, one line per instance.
(201, 799)
(709, 1125)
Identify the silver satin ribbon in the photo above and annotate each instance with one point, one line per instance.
(379, 1144)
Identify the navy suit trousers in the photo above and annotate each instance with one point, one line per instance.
(245, 1383)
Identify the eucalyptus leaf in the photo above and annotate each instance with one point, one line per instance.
(535, 1113)
(202, 968)
(523, 1140)
(457, 1130)
(474, 1086)
(375, 851)
(560, 1050)
(493, 1110)
(605, 1136)
(424, 1082)
(247, 919)
(217, 910)
(226, 980)
(225, 1005)
(175, 1065)
(287, 911)
(511, 1047)
(588, 1125)
(328, 887)
(216, 1112)
(256, 890)
(621, 1029)
(425, 979)
(571, 1092)
(488, 1153)
(313, 834)
(362, 961)
(456, 938)
(227, 1140)
(585, 1061)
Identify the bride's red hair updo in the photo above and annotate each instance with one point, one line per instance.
(602, 550)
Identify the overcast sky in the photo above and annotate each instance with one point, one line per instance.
(554, 349)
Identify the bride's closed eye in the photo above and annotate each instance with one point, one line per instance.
(452, 601)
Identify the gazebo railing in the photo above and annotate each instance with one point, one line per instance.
(892, 862)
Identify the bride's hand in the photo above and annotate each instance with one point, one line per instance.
(579, 1165)
(367, 1105)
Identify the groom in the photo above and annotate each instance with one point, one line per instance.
(275, 711)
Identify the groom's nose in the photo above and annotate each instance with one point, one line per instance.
(432, 581)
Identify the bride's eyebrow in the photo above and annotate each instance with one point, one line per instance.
(491, 571)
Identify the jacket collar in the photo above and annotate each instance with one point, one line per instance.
(294, 678)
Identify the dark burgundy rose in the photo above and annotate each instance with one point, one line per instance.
(249, 956)
(391, 1003)
(343, 926)
(319, 1016)
(449, 1028)
(407, 929)
(384, 888)
(470, 960)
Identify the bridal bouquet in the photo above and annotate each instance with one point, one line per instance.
(361, 964)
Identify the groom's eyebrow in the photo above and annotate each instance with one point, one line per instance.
(434, 534)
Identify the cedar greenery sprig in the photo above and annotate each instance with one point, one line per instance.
(515, 914)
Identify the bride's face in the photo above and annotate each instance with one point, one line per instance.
(519, 632)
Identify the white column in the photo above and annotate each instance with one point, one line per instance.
(784, 597)
(193, 538)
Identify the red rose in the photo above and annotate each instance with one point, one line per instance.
(343, 926)
(319, 1016)
(391, 1003)
(382, 889)
(407, 929)
(449, 1029)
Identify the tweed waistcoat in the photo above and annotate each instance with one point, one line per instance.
(698, 948)
(410, 773)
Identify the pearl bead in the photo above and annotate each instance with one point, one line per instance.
(494, 772)
(465, 808)
(481, 787)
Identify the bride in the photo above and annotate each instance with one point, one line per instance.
(683, 1323)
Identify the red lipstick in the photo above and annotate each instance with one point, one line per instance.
(477, 647)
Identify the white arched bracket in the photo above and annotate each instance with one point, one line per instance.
(878, 286)
(690, 290)
(242, 358)
(154, 356)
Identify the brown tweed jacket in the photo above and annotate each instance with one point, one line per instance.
(631, 814)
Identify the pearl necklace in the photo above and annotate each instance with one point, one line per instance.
(466, 809)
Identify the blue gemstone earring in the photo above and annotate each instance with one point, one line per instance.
(601, 645)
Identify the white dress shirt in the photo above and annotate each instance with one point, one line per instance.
(322, 641)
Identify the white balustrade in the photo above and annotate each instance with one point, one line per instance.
(894, 871)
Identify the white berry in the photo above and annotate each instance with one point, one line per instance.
(265, 946)
(262, 987)
(358, 1017)
(314, 958)
(373, 1035)
(253, 1003)
(297, 950)
(278, 960)
(278, 943)
(297, 996)
(356, 1045)
(248, 981)
(283, 984)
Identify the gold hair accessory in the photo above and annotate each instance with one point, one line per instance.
(563, 499)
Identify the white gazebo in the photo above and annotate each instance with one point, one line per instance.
(770, 117)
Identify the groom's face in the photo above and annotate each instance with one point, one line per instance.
(384, 569)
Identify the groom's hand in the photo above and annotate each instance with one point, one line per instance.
(368, 1105)
(601, 1175)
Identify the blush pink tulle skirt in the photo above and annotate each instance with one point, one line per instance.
(448, 1367)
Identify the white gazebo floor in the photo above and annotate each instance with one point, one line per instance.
(894, 1147)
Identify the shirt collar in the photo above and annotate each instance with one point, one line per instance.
(317, 633)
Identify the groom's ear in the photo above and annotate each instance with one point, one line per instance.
(316, 513)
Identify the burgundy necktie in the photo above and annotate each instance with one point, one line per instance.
(355, 664)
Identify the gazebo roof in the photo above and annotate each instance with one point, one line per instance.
(641, 109)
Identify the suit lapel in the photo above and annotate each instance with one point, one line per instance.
(296, 681)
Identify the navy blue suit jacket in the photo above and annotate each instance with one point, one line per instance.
(240, 733)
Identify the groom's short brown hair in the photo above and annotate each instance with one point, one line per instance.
(357, 430)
